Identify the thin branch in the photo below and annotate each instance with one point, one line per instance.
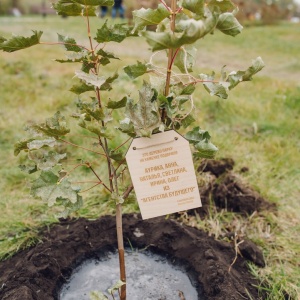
(127, 192)
(165, 5)
(72, 144)
(90, 188)
(71, 171)
(99, 178)
(61, 43)
(122, 144)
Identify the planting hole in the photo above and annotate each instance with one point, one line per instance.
(149, 277)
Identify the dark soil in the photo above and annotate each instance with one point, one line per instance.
(38, 273)
(225, 190)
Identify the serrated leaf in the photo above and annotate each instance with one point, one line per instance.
(189, 31)
(187, 121)
(106, 86)
(96, 2)
(69, 43)
(144, 114)
(46, 160)
(22, 145)
(81, 88)
(95, 128)
(91, 110)
(90, 79)
(195, 6)
(188, 90)
(144, 17)
(19, 42)
(185, 59)
(223, 5)
(228, 24)
(115, 33)
(126, 126)
(134, 71)
(38, 144)
(49, 189)
(103, 53)
(30, 169)
(196, 135)
(234, 78)
(117, 104)
(69, 207)
(71, 8)
(55, 126)
(214, 88)
(206, 149)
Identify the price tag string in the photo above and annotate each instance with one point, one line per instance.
(139, 148)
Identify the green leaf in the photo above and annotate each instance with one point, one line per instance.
(117, 104)
(81, 88)
(144, 114)
(106, 54)
(115, 33)
(196, 135)
(185, 59)
(48, 187)
(188, 32)
(96, 295)
(126, 126)
(71, 8)
(22, 145)
(106, 86)
(187, 121)
(144, 17)
(134, 71)
(116, 286)
(69, 43)
(188, 90)
(96, 129)
(19, 42)
(234, 78)
(206, 149)
(38, 144)
(229, 25)
(214, 88)
(96, 2)
(118, 200)
(195, 6)
(90, 79)
(91, 110)
(30, 169)
(223, 5)
(117, 155)
(55, 126)
(46, 160)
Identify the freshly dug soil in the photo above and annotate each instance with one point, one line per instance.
(39, 273)
(225, 190)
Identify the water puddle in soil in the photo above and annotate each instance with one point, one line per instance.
(149, 277)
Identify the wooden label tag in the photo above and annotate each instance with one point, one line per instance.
(163, 175)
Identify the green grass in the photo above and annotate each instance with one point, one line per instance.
(258, 126)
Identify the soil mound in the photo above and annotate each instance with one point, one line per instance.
(224, 189)
(38, 273)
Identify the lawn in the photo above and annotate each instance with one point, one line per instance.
(258, 126)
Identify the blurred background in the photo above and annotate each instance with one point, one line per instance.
(251, 11)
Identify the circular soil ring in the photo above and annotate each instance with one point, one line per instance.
(38, 273)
